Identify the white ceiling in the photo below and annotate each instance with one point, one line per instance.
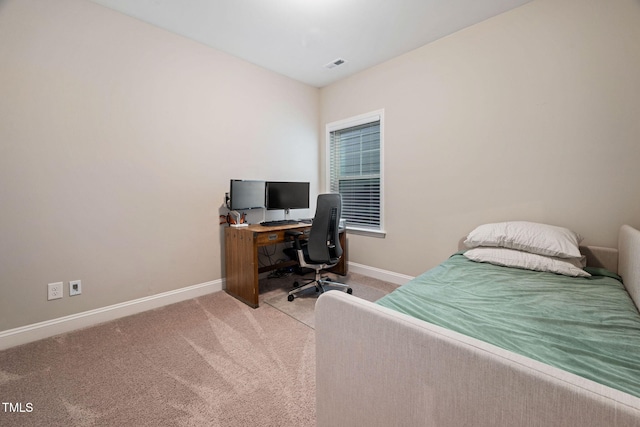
(297, 38)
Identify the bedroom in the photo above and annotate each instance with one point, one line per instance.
(118, 145)
(548, 77)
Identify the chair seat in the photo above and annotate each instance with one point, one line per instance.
(292, 254)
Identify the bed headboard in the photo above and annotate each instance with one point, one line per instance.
(629, 261)
(600, 256)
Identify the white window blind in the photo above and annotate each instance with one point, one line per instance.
(355, 171)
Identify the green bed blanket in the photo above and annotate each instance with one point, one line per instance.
(587, 326)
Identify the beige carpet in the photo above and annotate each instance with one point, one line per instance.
(209, 361)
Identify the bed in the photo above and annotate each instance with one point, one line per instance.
(489, 345)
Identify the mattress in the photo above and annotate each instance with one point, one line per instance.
(586, 326)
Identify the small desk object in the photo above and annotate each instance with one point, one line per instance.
(241, 257)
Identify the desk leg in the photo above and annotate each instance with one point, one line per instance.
(241, 265)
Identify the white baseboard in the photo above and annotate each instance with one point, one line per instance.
(49, 328)
(61, 325)
(377, 273)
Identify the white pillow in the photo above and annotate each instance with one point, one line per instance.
(513, 258)
(541, 239)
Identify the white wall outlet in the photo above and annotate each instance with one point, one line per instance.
(54, 290)
(75, 287)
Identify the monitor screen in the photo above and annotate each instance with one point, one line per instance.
(247, 194)
(287, 195)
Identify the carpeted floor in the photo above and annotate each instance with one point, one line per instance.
(209, 361)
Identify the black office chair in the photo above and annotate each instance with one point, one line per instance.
(322, 249)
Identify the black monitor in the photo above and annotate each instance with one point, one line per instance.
(287, 195)
(246, 194)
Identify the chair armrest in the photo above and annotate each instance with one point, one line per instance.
(296, 237)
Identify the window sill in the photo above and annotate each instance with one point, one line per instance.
(367, 232)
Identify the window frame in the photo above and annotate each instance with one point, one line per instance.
(350, 122)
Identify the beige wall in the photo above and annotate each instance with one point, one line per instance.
(117, 143)
(534, 114)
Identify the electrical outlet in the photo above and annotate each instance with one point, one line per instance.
(54, 290)
(75, 287)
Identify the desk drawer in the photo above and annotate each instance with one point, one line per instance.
(270, 238)
(273, 237)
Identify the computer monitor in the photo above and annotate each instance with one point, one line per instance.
(247, 194)
(287, 195)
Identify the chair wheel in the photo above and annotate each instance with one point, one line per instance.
(290, 297)
(349, 290)
(296, 284)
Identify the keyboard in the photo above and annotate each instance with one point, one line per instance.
(279, 222)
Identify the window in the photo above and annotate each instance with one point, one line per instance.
(354, 165)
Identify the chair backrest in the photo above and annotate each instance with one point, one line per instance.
(324, 243)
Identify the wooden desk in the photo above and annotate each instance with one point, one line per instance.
(241, 257)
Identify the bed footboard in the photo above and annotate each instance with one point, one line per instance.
(378, 367)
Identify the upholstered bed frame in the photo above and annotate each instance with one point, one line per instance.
(378, 367)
